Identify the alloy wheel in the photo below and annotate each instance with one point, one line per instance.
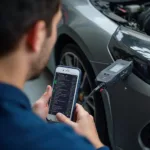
(71, 59)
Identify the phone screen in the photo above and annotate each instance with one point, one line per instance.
(63, 94)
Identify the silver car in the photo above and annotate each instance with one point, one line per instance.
(94, 33)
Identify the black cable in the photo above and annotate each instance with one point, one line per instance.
(109, 118)
(92, 93)
(96, 89)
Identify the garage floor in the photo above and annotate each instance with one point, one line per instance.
(35, 89)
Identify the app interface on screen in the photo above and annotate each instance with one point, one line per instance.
(63, 94)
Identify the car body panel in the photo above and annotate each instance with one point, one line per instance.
(130, 111)
(88, 24)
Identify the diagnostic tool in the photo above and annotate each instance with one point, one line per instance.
(116, 72)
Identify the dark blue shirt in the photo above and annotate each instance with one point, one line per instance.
(21, 129)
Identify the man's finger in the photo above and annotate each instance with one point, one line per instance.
(47, 95)
(63, 119)
(80, 111)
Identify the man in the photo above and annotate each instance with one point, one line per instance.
(28, 31)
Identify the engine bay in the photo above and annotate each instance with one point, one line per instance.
(134, 14)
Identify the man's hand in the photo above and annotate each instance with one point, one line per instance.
(84, 125)
(41, 107)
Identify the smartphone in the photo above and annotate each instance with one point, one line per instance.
(65, 92)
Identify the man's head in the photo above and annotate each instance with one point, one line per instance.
(28, 29)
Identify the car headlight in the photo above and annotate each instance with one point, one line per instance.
(135, 46)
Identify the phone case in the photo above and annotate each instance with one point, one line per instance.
(78, 86)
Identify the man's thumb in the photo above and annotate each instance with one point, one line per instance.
(47, 95)
(63, 119)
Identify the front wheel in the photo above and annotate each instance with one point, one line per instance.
(72, 55)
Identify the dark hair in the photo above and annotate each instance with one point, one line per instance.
(18, 16)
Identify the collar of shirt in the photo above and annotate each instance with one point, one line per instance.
(11, 94)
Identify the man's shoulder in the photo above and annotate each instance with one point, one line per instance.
(29, 131)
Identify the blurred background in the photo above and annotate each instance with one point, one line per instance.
(35, 89)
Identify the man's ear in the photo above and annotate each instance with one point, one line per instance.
(36, 36)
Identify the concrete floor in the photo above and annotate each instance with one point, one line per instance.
(35, 89)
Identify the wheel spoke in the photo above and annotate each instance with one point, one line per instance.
(89, 102)
(76, 61)
(90, 105)
(84, 80)
(68, 60)
(71, 59)
(62, 63)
